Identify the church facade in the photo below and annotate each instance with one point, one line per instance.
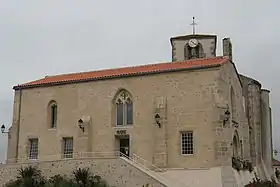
(196, 112)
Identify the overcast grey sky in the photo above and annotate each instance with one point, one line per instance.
(46, 37)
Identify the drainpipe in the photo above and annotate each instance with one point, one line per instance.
(18, 123)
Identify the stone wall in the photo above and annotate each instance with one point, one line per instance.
(207, 50)
(229, 97)
(266, 134)
(115, 171)
(188, 107)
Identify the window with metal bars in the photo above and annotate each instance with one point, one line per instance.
(33, 149)
(67, 147)
(187, 147)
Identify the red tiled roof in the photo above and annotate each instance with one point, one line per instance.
(275, 162)
(123, 72)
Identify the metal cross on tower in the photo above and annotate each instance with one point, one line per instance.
(193, 24)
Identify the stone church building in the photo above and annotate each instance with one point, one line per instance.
(191, 121)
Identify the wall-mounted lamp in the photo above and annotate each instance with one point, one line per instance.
(3, 129)
(81, 125)
(157, 118)
(227, 116)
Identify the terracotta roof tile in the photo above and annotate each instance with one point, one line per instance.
(123, 72)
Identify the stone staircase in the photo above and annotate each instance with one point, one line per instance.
(216, 176)
(152, 171)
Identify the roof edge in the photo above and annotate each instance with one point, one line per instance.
(265, 90)
(252, 81)
(19, 87)
(236, 71)
(136, 66)
(194, 36)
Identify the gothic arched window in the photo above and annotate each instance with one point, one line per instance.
(124, 108)
(52, 114)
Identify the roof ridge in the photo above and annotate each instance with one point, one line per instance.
(135, 66)
(137, 70)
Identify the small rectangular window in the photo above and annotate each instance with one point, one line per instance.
(187, 143)
(33, 148)
(67, 147)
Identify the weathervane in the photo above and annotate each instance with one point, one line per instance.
(193, 24)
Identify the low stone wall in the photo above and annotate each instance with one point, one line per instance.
(115, 171)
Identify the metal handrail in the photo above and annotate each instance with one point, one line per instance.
(88, 155)
(97, 155)
(163, 179)
(149, 164)
(157, 168)
(123, 155)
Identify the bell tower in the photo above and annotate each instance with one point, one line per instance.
(193, 46)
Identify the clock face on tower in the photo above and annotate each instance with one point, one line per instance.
(193, 42)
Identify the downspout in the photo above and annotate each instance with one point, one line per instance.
(18, 123)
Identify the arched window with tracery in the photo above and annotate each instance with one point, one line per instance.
(52, 114)
(124, 108)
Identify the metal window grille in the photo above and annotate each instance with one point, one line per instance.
(68, 148)
(33, 149)
(187, 143)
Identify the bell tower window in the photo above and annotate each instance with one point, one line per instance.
(193, 50)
